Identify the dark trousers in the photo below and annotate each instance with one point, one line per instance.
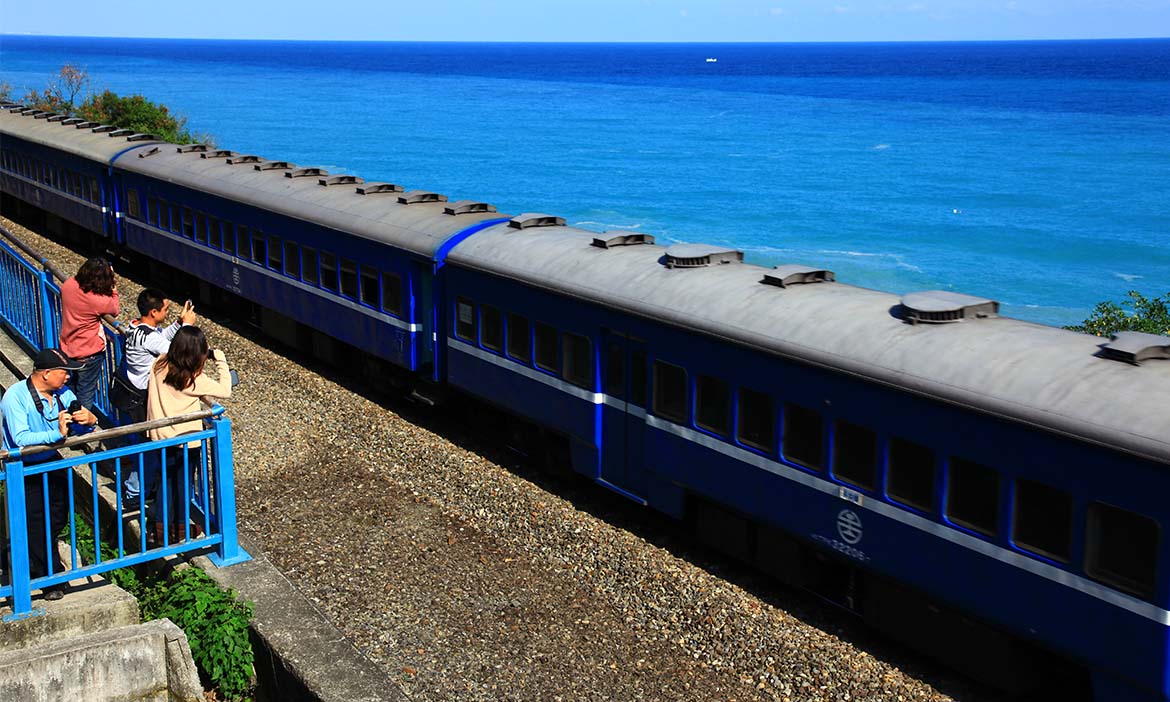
(85, 380)
(34, 504)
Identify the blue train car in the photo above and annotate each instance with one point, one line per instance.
(62, 165)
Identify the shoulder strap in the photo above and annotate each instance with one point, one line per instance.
(36, 398)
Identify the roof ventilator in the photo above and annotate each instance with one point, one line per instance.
(218, 153)
(372, 188)
(149, 152)
(72, 121)
(122, 133)
(191, 148)
(104, 128)
(700, 256)
(11, 106)
(535, 219)
(614, 237)
(796, 274)
(248, 158)
(1135, 347)
(31, 112)
(340, 180)
(87, 125)
(306, 172)
(468, 207)
(943, 306)
(416, 196)
(275, 166)
(58, 118)
(45, 115)
(140, 136)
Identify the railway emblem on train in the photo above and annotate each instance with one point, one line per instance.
(849, 526)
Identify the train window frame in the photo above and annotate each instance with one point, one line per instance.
(188, 230)
(849, 454)
(905, 465)
(153, 214)
(369, 287)
(518, 333)
(258, 248)
(310, 266)
(292, 259)
(1097, 543)
(75, 181)
(230, 238)
(176, 218)
(957, 465)
(328, 262)
(791, 414)
(133, 206)
(545, 348)
(491, 328)
(465, 322)
(214, 233)
(577, 362)
(347, 278)
(200, 228)
(275, 250)
(665, 394)
(707, 385)
(742, 411)
(1041, 519)
(95, 190)
(392, 293)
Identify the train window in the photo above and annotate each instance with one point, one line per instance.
(132, 204)
(1121, 549)
(464, 319)
(544, 347)
(910, 474)
(712, 405)
(349, 281)
(519, 343)
(392, 293)
(973, 496)
(259, 247)
(670, 391)
(328, 271)
(309, 265)
(214, 235)
(491, 328)
(200, 227)
(152, 212)
(275, 254)
(229, 238)
(615, 371)
(77, 187)
(292, 259)
(94, 190)
(577, 363)
(855, 455)
(757, 420)
(188, 223)
(638, 378)
(1043, 519)
(176, 219)
(370, 290)
(804, 437)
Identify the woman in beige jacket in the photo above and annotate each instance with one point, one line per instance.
(176, 386)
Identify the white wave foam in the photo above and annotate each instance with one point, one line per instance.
(879, 147)
(606, 225)
(1127, 277)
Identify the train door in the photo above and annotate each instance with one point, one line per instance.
(624, 412)
(422, 319)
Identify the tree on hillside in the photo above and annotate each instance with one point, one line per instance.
(1150, 315)
(132, 112)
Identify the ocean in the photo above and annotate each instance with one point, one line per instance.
(1033, 173)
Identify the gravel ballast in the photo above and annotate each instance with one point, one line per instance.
(466, 576)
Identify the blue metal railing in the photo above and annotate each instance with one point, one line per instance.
(195, 488)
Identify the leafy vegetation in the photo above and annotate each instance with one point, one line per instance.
(72, 83)
(1144, 314)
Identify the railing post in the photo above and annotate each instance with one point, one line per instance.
(18, 543)
(49, 330)
(224, 488)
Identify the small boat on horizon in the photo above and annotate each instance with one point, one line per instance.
(711, 59)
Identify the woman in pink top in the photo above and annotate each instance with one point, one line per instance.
(176, 386)
(84, 299)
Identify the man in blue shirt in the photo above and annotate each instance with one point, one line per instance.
(36, 412)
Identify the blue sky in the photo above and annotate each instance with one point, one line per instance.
(595, 20)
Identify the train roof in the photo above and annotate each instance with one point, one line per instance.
(89, 140)
(414, 220)
(1040, 375)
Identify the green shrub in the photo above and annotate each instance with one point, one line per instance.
(1146, 314)
(216, 624)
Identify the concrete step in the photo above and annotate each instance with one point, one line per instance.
(15, 362)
